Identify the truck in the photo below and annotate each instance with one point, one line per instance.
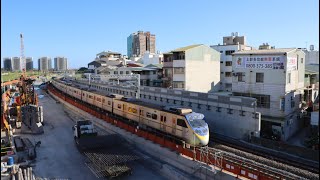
(107, 155)
(86, 137)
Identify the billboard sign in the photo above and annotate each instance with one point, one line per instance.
(260, 62)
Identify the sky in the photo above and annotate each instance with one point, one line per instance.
(79, 29)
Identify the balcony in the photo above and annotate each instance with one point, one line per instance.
(167, 64)
(179, 63)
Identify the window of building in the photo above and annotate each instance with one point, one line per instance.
(154, 72)
(228, 74)
(182, 123)
(221, 52)
(221, 62)
(228, 63)
(263, 101)
(241, 77)
(177, 84)
(178, 70)
(121, 72)
(229, 52)
(221, 72)
(127, 72)
(289, 78)
(115, 72)
(259, 77)
(301, 60)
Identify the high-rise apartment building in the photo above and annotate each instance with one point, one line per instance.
(140, 42)
(29, 63)
(44, 64)
(16, 64)
(231, 44)
(7, 64)
(60, 64)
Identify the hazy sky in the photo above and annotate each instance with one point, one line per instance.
(79, 29)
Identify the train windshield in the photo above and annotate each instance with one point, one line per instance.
(196, 120)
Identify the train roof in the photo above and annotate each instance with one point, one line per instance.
(172, 109)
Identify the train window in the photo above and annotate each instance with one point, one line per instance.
(148, 115)
(119, 106)
(141, 112)
(165, 119)
(154, 116)
(181, 122)
(161, 118)
(161, 99)
(83, 94)
(109, 102)
(99, 99)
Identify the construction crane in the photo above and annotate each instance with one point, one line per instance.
(23, 59)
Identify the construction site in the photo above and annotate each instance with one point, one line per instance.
(62, 128)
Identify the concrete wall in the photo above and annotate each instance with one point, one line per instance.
(202, 71)
(227, 115)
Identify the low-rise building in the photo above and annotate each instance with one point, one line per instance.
(149, 75)
(151, 58)
(192, 68)
(311, 83)
(231, 44)
(312, 55)
(275, 77)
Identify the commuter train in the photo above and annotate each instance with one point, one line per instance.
(176, 121)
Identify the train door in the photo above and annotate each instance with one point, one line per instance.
(124, 111)
(174, 124)
(163, 119)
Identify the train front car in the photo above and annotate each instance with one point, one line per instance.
(199, 127)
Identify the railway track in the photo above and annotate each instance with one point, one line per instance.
(258, 166)
(292, 166)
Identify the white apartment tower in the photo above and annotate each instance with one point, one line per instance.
(44, 64)
(60, 64)
(231, 44)
(16, 64)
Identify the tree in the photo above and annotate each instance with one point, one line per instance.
(82, 70)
